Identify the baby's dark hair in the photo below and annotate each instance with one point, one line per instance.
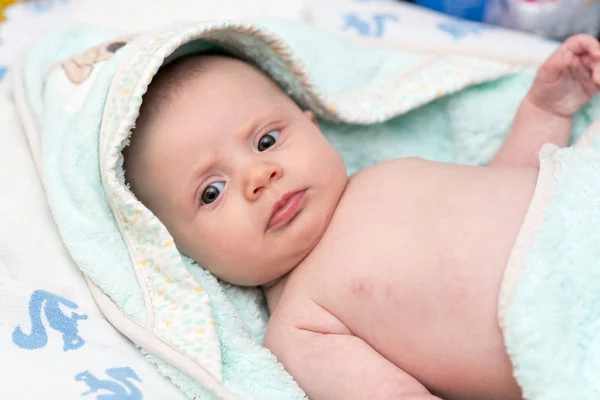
(166, 83)
(170, 78)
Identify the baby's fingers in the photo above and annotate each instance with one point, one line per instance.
(584, 44)
(555, 66)
(592, 65)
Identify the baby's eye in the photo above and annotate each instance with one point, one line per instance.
(268, 140)
(211, 192)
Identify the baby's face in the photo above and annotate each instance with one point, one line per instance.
(240, 176)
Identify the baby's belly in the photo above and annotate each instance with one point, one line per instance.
(419, 280)
(440, 328)
(446, 335)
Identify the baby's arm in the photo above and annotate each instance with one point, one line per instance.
(532, 128)
(569, 79)
(342, 367)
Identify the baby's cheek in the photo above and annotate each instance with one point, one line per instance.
(226, 248)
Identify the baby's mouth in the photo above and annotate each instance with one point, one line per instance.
(285, 209)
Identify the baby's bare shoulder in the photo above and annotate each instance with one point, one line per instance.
(297, 309)
(405, 180)
(421, 173)
(400, 171)
(407, 166)
(305, 337)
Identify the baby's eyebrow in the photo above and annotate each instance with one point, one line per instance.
(273, 116)
(249, 127)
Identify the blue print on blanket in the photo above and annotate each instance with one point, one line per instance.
(458, 29)
(120, 388)
(49, 304)
(42, 6)
(3, 70)
(374, 27)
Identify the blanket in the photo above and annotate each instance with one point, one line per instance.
(80, 91)
(53, 348)
(550, 302)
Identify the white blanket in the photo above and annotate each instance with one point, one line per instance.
(54, 349)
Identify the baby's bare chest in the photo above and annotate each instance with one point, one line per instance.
(417, 275)
(432, 318)
(418, 244)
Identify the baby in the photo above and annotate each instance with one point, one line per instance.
(380, 286)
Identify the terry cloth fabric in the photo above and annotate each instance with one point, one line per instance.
(79, 93)
(550, 299)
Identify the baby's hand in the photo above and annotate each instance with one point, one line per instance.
(569, 78)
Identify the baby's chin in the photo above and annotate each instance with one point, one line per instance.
(245, 269)
(265, 277)
(293, 243)
(308, 231)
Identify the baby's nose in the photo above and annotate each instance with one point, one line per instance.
(259, 177)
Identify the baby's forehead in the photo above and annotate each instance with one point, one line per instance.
(227, 75)
(207, 80)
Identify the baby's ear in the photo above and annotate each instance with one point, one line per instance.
(311, 116)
